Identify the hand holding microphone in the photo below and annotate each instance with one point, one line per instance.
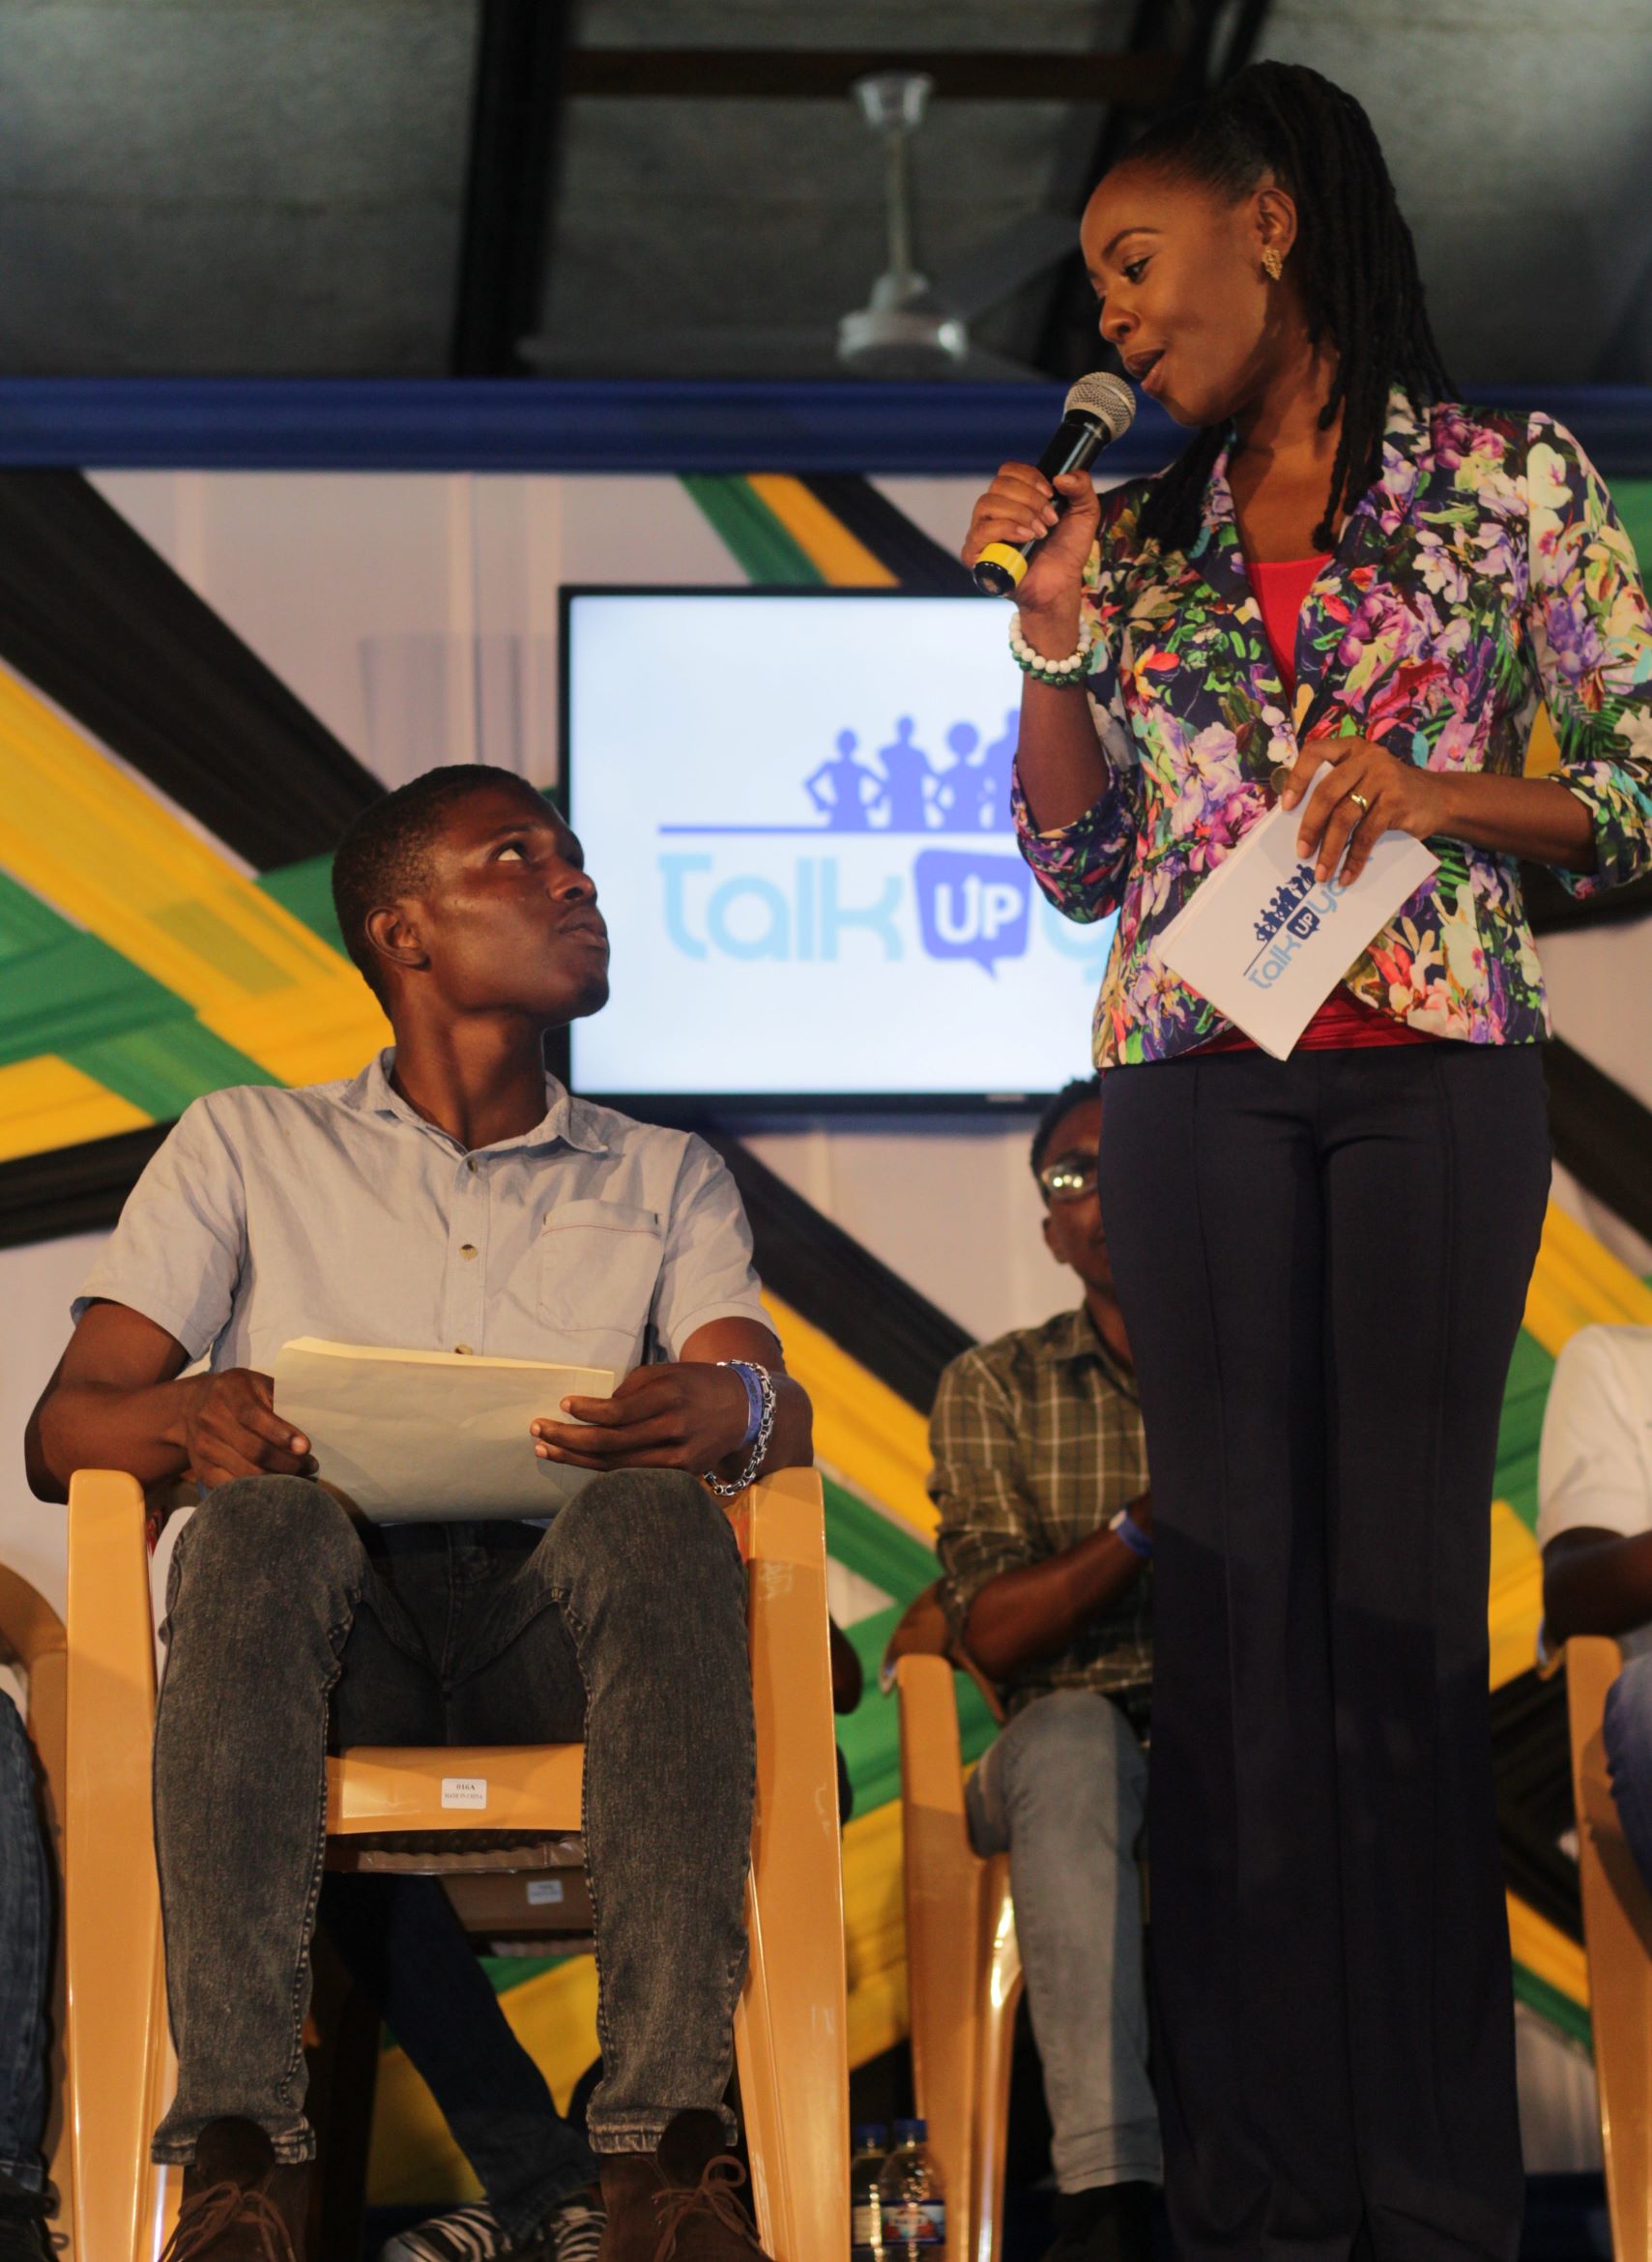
(1030, 532)
(1030, 536)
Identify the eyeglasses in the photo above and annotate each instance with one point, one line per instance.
(1069, 1178)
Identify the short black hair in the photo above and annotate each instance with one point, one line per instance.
(385, 854)
(1070, 1097)
(1354, 261)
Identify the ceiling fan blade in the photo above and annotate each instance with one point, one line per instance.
(1004, 264)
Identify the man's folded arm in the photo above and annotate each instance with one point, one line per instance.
(114, 1401)
(1011, 1603)
(1596, 1581)
(1593, 1511)
(159, 1291)
(791, 1441)
(121, 1399)
(688, 1411)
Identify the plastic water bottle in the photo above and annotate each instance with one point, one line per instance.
(865, 2201)
(914, 2200)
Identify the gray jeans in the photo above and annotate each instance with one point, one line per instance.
(1063, 1791)
(291, 1631)
(26, 1897)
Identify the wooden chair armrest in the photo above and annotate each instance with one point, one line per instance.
(1592, 1664)
(781, 1519)
(792, 2037)
(110, 1655)
(111, 1905)
(932, 1760)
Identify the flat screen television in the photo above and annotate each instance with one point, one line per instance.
(795, 806)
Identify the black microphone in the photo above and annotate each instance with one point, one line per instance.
(1100, 409)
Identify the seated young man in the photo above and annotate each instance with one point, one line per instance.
(1594, 1524)
(454, 1197)
(1046, 1525)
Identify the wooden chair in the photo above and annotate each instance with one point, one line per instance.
(1617, 1933)
(31, 1636)
(963, 1964)
(790, 2029)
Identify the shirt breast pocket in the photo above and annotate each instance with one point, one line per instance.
(598, 1266)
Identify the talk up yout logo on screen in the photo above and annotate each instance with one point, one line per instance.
(965, 897)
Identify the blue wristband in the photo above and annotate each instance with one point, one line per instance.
(748, 1374)
(1139, 1542)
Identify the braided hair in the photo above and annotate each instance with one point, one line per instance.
(1354, 262)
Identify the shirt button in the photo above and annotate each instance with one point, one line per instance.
(468, 1250)
(465, 1350)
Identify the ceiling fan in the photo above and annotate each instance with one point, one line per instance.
(910, 326)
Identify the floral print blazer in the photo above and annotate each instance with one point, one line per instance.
(1485, 573)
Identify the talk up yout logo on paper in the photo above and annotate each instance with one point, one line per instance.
(972, 901)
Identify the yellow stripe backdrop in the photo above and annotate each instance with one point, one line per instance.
(844, 560)
(863, 1432)
(1576, 1282)
(1546, 1952)
(45, 1103)
(97, 846)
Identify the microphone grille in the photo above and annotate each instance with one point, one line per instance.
(1106, 399)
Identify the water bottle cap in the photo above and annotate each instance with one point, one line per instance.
(912, 2132)
(870, 2132)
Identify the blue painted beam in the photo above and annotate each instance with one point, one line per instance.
(530, 424)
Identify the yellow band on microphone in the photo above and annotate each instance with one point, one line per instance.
(1012, 560)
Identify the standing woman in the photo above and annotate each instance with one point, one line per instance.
(1322, 1261)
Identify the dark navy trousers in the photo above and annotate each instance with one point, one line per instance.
(1322, 1264)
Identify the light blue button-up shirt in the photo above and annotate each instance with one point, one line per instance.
(336, 1211)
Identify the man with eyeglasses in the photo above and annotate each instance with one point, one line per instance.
(1046, 1529)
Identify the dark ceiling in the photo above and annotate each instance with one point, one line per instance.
(417, 187)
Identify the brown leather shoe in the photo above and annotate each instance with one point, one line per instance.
(678, 2204)
(240, 2203)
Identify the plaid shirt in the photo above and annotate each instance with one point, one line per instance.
(1037, 1442)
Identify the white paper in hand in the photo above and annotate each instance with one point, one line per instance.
(1267, 943)
(414, 1436)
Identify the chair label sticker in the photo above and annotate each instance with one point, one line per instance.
(543, 1892)
(464, 1791)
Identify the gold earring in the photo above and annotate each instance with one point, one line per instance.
(1274, 262)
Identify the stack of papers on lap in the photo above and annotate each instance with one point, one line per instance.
(414, 1436)
(1267, 943)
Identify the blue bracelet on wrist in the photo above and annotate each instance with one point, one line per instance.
(1139, 1542)
(759, 1386)
(753, 1382)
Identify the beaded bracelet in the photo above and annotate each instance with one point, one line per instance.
(726, 1488)
(1071, 670)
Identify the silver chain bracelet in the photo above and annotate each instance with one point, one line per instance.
(726, 1488)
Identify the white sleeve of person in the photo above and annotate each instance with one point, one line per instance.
(180, 1243)
(1594, 1467)
(706, 1272)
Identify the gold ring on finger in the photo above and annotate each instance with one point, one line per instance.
(1360, 800)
